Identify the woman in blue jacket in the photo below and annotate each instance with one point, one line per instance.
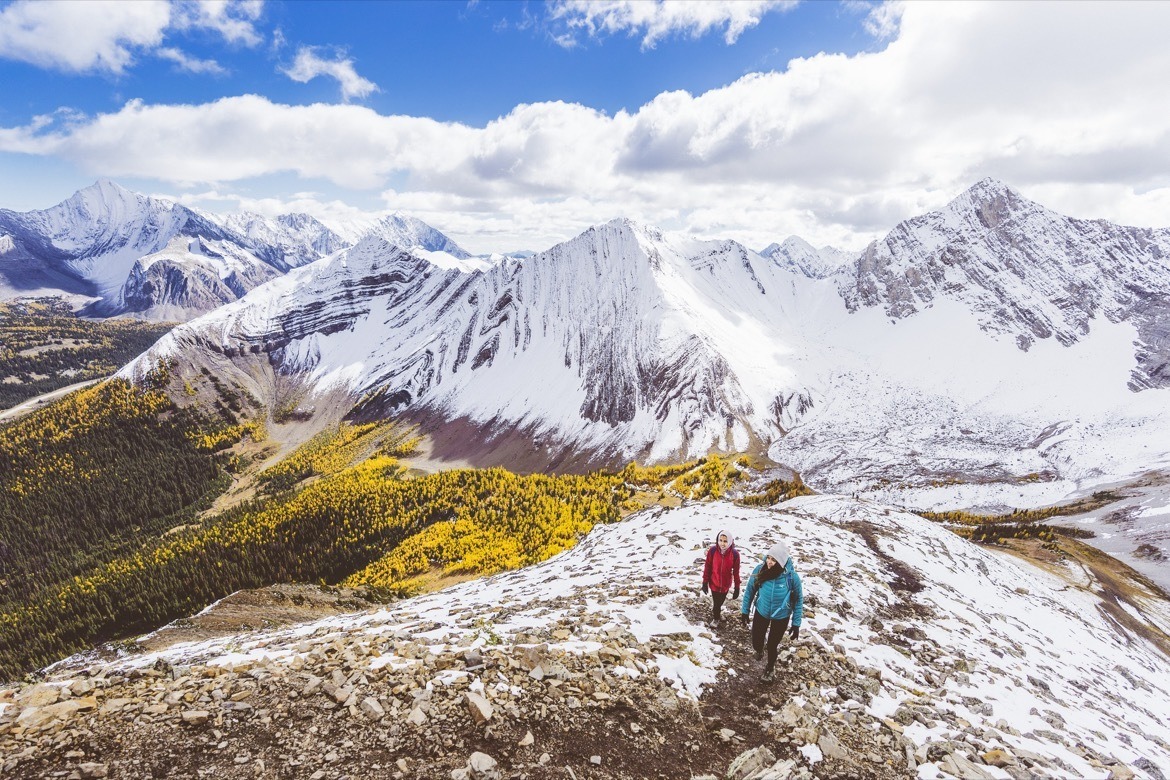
(775, 589)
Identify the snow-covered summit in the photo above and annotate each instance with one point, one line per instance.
(799, 255)
(1027, 273)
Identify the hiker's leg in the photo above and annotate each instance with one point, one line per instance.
(759, 628)
(717, 600)
(775, 634)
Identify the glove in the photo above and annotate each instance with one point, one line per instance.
(743, 618)
(793, 633)
(735, 594)
(706, 588)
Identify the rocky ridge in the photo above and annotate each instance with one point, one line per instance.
(596, 664)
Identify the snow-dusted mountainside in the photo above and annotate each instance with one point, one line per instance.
(288, 241)
(621, 342)
(798, 255)
(127, 252)
(628, 342)
(920, 655)
(1027, 272)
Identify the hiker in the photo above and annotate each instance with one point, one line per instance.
(775, 589)
(720, 573)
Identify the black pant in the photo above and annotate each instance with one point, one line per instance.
(774, 630)
(717, 600)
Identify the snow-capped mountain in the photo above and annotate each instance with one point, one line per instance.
(1027, 272)
(625, 342)
(408, 232)
(288, 241)
(920, 655)
(798, 255)
(128, 252)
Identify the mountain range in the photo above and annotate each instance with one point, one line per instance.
(989, 354)
(993, 343)
(122, 252)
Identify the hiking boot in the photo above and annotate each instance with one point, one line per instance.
(716, 624)
(769, 675)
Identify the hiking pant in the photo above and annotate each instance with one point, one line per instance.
(717, 600)
(773, 630)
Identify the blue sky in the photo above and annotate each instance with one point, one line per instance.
(513, 124)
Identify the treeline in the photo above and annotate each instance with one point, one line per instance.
(334, 449)
(513, 521)
(1022, 516)
(996, 533)
(43, 347)
(333, 528)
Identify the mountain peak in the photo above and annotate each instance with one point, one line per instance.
(992, 202)
(105, 196)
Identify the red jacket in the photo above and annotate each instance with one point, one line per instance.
(722, 569)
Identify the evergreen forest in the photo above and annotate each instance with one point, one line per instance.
(44, 347)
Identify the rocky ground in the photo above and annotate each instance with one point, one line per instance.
(521, 710)
(597, 665)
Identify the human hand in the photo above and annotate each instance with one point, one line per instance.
(794, 633)
(706, 588)
(743, 618)
(735, 594)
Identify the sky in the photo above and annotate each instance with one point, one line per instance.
(515, 125)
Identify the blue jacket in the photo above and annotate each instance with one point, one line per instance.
(772, 597)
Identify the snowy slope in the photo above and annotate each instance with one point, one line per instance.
(1027, 272)
(973, 650)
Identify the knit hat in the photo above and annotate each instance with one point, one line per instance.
(730, 538)
(779, 551)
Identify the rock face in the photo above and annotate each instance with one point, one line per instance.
(159, 259)
(1027, 272)
(918, 656)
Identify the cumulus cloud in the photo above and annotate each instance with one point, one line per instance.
(309, 65)
(108, 35)
(835, 148)
(81, 35)
(655, 20)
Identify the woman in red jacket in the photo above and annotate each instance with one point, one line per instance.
(720, 573)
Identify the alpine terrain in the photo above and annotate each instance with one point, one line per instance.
(993, 343)
(921, 655)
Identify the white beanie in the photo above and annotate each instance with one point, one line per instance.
(779, 551)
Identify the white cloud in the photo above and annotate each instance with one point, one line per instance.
(655, 20)
(107, 35)
(191, 64)
(81, 35)
(881, 18)
(234, 20)
(836, 149)
(308, 66)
